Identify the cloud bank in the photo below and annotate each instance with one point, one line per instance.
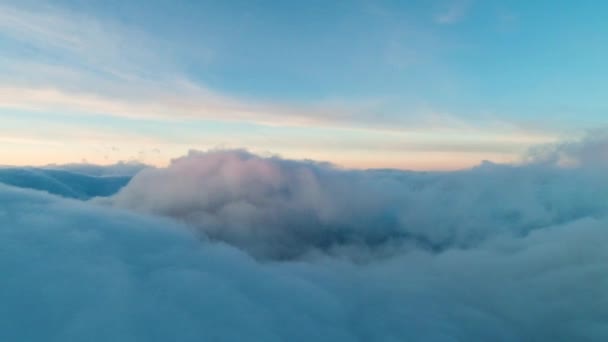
(120, 169)
(226, 246)
(71, 184)
(282, 209)
(78, 272)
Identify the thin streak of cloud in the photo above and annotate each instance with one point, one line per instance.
(187, 101)
(100, 46)
(112, 77)
(454, 12)
(113, 80)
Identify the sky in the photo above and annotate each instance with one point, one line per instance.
(361, 84)
(274, 212)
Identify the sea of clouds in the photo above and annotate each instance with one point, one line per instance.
(231, 246)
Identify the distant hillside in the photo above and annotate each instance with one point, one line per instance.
(63, 183)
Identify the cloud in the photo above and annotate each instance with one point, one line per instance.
(283, 209)
(120, 169)
(91, 65)
(72, 184)
(453, 12)
(76, 41)
(117, 74)
(75, 271)
(589, 152)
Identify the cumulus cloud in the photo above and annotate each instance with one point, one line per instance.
(227, 246)
(76, 272)
(589, 152)
(282, 209)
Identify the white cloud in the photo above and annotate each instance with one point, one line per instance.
(275, 208)
(106, 68)
(72, 271)
(90, 65)
(499, 252)
(454, 11)
(80, 41)
(590, 151)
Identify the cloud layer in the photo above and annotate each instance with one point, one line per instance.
(77, 272)
(226, 246)
(275, 208)
(71, 184)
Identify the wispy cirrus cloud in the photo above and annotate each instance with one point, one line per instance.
(80, 41)
(90, 66)
(453, 11)
(96, 66)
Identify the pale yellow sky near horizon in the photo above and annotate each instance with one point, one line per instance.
(39, 153)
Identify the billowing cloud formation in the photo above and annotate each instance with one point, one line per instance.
(230, 246)
(589, 152)
(281, 209)
(72, 271)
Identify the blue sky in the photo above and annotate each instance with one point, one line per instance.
(405, 84)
